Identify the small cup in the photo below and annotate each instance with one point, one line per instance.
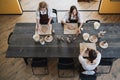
(81, 29)
(96, 25)
(36, 37)
(42, 41)
(86, 36)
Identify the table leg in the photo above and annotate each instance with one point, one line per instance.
(26, 62)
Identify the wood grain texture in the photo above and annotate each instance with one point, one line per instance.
(61, 5)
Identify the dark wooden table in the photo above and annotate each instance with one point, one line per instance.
(22, 45)
(84, 0)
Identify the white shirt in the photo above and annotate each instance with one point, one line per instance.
(66, 17)
(89, 67)
(49, 13)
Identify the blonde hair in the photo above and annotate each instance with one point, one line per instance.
(42, 4)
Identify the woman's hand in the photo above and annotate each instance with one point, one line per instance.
(38, 28)
(78, 32)
(49, 25)
(84, 51)
(85, 48)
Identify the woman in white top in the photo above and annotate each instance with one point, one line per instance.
(73, 16)
(89, 64)
(43, 15)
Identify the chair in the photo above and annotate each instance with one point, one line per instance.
(92, 20)
(54, 18)
(9, 37)
(87, 77)
(40, 63)
(66, 64)
(105, 62)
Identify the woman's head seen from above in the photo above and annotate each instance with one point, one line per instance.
(73, 10)
(42, 6)
(73, 13)
(92, 55)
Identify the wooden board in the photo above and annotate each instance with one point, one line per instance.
(45, 30)
(88, 45)
(70, 28)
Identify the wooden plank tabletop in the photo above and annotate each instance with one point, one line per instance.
(23, 45)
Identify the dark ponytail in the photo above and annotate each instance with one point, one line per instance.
(92, 55)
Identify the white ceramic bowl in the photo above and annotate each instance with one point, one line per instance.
(96, 25)
(86, 36)
(36, 37)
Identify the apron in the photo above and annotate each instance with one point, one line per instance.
(44, 18)
(74, 21)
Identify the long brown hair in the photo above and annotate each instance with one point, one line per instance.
(42, 4)
(92, 55)
(70, 12)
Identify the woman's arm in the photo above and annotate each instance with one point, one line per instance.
(80, 21)
(80, 25)
(65, 18)
(50, 15)
(79, 29)
(37, 20)
(37, 24)
(81, 59)
(50, 19)
(84, 51)
(98, 57)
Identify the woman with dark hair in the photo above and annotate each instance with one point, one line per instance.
(73, 16)
(89, 64)
(92, 55)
